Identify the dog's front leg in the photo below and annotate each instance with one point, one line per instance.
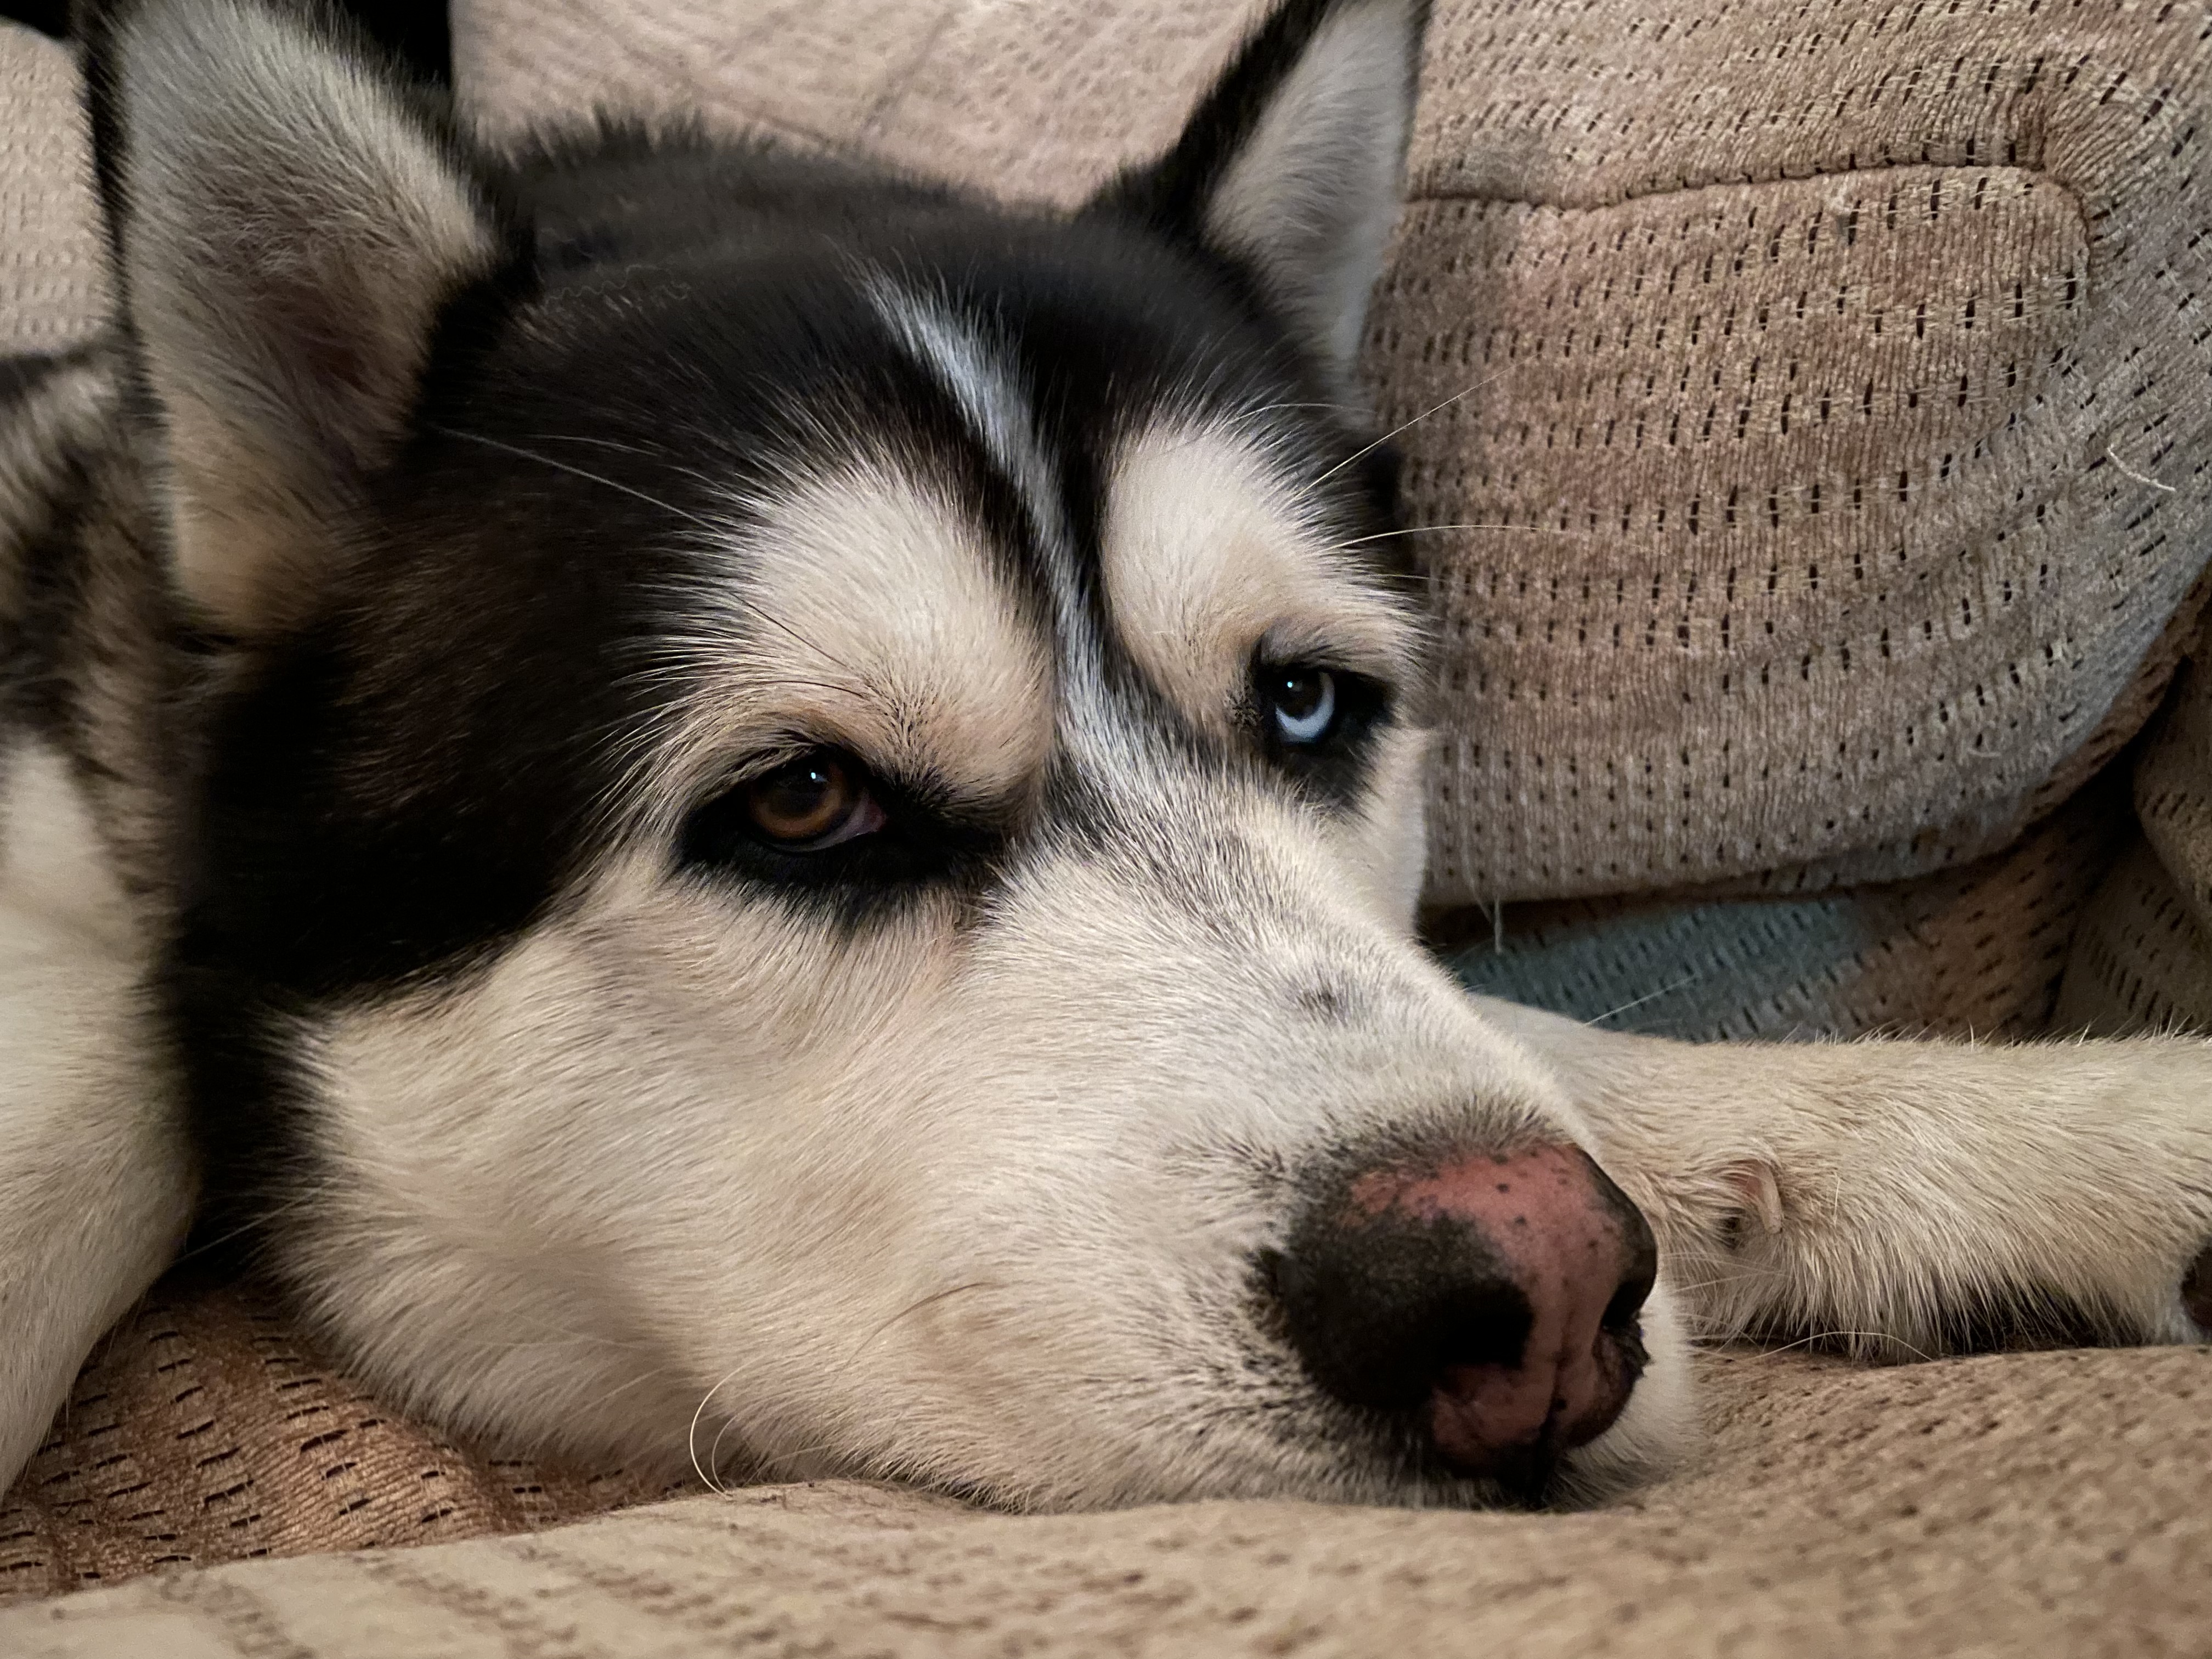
(96, 1187)
(1908, 1198)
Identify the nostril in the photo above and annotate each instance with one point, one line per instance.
(1639, 1270)
(1489, 1330)
(1627, 1301)
(1637, 1281)
(2197, 1291)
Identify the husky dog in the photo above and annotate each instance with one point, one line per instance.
(729, 801)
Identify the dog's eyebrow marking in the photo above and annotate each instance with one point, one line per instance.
(1211, 551)
(858, 605)
(957, 353)
(954, 350)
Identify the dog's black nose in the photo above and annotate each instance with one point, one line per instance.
(1494, 1299)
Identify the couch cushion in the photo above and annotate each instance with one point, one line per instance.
(1839, 369)
(54, 286)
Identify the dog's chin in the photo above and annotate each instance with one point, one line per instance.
(1371, 1464)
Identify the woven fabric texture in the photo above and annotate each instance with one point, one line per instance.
(2143, 958)
(1975, 952)
(205, 1430)
(1835, 374)
(53, 287)
(2031, 1506)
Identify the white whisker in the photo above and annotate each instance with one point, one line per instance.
(1431, 529)
(580, 472)
(1648, 996)
(1855, 1336)
(691, 1436)
(1404, 426)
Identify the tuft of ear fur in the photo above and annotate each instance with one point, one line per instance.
(1293, 166)
(288, 218)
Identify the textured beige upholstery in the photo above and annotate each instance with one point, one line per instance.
(53, 290)
(204, 1430)
(2035, 1506)
(1825, 385)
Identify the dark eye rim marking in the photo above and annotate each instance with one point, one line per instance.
(914, 835)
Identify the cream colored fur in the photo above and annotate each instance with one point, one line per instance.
(95, 1178)
(882, 626)
(1878, 1193)
(1314, 227)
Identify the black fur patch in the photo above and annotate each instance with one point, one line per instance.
(20, 376)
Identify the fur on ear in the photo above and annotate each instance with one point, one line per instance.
(287, 218)
(1292, 165)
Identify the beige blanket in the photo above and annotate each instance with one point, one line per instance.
(2044, 1504)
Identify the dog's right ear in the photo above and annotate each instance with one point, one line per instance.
(1289, 167)
(288, 218)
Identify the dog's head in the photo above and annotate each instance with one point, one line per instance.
(810, 809)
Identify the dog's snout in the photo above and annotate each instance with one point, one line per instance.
(1492, 1300)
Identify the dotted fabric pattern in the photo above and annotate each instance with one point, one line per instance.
(2034, 1506)
(53, 284)
(2144, 960)
(1830, 381)
(2139, 962)
(205, 1430)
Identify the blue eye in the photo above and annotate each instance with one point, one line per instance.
(1302, 703)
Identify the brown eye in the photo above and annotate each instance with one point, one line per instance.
(817, 800)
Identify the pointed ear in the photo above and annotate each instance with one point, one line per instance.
(1292, 165)
(288, 218)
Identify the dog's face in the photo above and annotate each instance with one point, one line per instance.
(812, 820)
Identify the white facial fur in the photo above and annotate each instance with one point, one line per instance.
(970, 1197)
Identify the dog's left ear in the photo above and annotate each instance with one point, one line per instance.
(1292, 167)
(289, 219)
